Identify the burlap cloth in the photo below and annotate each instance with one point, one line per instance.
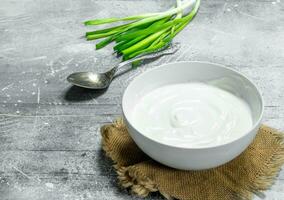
(250, 173)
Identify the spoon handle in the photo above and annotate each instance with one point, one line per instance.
(171, 49)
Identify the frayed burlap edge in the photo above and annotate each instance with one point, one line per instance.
(271, 167)
(269, 172)
(130, 177)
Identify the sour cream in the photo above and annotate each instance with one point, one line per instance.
(192, 115)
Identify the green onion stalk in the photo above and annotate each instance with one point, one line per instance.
(144, 33)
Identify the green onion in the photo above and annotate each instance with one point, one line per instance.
(144, 33)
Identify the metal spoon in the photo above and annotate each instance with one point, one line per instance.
(93, 80)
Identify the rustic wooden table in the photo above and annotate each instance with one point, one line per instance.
(49, 131)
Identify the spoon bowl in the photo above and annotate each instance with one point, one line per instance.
(90, 80)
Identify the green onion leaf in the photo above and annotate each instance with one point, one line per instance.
(144, 33)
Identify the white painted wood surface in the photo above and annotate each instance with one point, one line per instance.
(49, 132)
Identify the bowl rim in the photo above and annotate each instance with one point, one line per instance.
(255, 124)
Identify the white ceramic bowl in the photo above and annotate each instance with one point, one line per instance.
(192, 158)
